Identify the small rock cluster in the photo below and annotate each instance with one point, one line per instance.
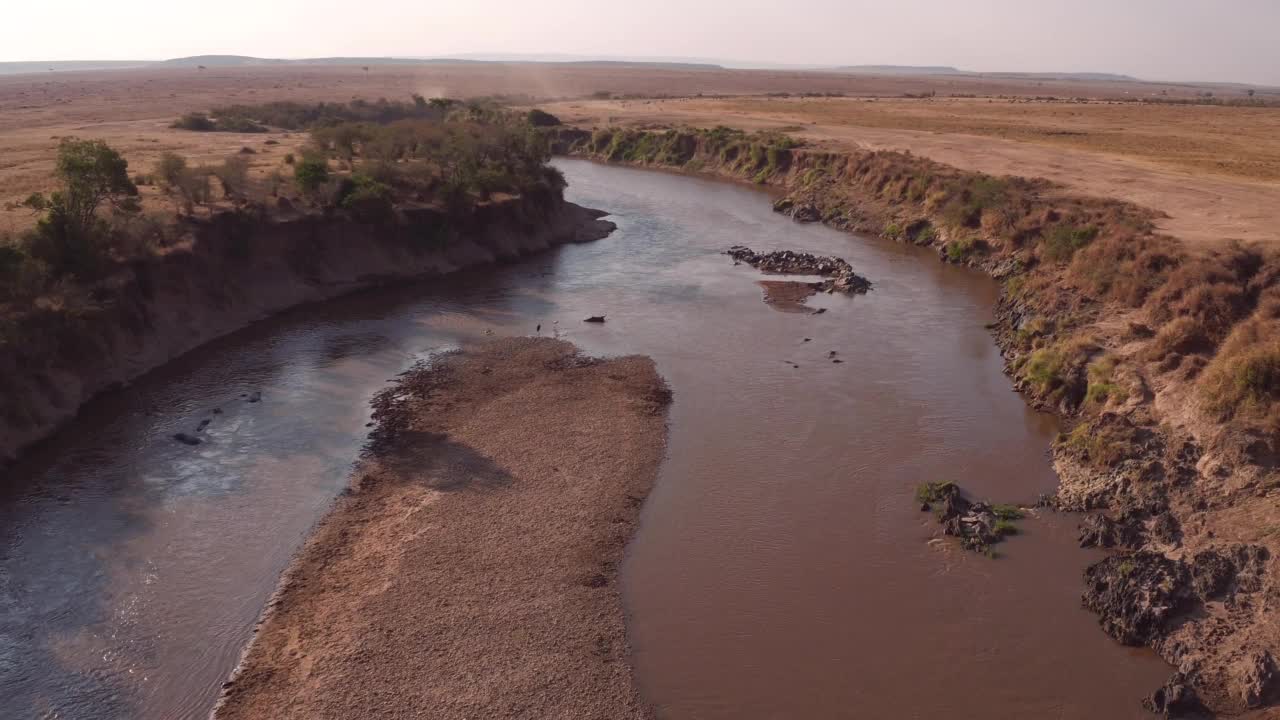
(802, 212)
(978, 525)
(839, 273)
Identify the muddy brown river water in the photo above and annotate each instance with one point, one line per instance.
(782, 569)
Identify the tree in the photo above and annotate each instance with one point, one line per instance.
(541, 118)
(93, 173)
(234, 176)
(70, 236)
(368, 200)
(311, 174)
(170, 169)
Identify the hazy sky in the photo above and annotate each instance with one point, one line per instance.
(1157, 39)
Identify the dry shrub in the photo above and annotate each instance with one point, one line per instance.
(1207, 296)
(233, 173)
(170, 168)
(1181, 336)
(1243, 380)
(1268, 303)
(1124, 266)
(1103, 442)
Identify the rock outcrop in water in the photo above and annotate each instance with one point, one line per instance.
(978, 525)
(839, 273)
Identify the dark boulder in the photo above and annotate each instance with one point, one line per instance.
(1259, 683)
(1221, 573)
(806, 213)
(1134, 595)
(1101, 531)
(1177, 698)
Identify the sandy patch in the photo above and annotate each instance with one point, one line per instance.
(472, 571)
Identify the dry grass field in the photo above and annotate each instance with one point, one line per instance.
(1215, 170)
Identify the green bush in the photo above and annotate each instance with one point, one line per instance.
(970, 198)
(21, 275)
(932, 492)
(311, 174)
(1045, 369)
(238, 125)
(1004, 528)
(1243, 380)
(1100, 445)
(1102, 384)
(367, 200)
(69, 236)
(1063, 241)
(196, 122)
(925, 235)
(1007, 512)
(959, 250)
(540, 118)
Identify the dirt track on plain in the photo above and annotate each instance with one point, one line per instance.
(472, 570)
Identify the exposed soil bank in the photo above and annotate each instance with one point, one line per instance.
(1133, 339)
(472, 569)
(237, 268)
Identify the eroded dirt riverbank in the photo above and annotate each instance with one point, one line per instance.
(229, 272)
(781, 540)
(472, 569)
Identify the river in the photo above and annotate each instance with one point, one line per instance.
(782, 568)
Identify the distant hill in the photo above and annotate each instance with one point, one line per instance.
(216, 61)
(1084, 76)
(946, 70)
(245, 60)
(900, 70)
(664, 63)
(15, 68)
(211, 61)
